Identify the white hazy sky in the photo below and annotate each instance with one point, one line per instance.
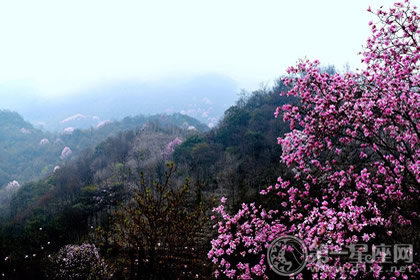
(60, 47)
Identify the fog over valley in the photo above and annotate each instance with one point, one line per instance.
(203, 97)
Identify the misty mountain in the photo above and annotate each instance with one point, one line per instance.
(203, 97)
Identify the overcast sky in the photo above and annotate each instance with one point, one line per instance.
(61, 47)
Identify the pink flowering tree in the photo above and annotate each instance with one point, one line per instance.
(354, 153)
(170, 148)
(66, 153)
(44, 141)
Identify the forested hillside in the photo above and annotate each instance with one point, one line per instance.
(27, 153)
(241, 155)
(81, 201)
(81, 197)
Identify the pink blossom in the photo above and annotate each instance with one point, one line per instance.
(355, 159)
(66, 153)
(170, 148)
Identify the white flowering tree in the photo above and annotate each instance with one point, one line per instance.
(74, 262)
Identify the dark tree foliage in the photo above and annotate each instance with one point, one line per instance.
(243, 147)
(157, 231)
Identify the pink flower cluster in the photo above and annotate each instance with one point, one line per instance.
(354, 151)
(66, 153)
(170, 148)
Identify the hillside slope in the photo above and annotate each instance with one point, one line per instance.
(27, 153)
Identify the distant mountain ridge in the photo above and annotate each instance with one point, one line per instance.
(204, 97)
(12, 118)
